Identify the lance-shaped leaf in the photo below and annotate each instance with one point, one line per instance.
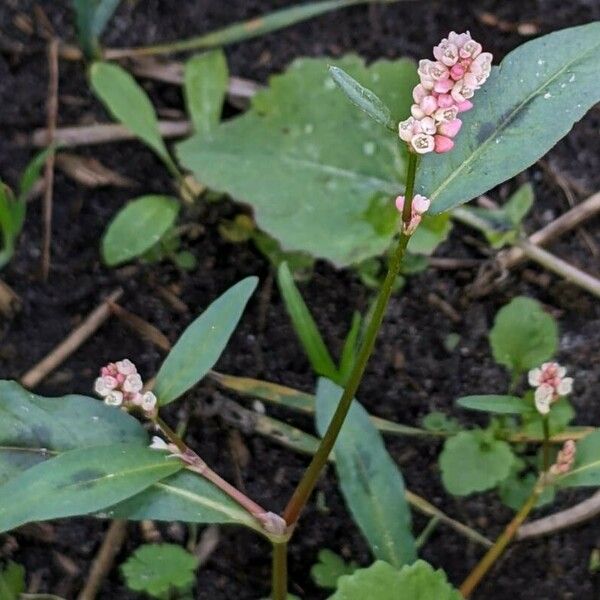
(363, 98)
(202, 343)
(183, 497)
(137, 227)
(370, 481)
(80, 482)
(309, 163)
(529, 103)
(503, 405)
(586, 471)
(92, 18)
(205, 86)
(34, 428)
(129, 104)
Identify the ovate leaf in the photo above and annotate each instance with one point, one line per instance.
(128, 103)
(433, 230)
(474, 461)
(34, 428)
(12, 581)
(529, 103)
(304, 325)
(81, 481)
(205, 85)
(308, 163)
(92, 18)
(330, 568)
(138, 226)
(586, 471)
(370, 481)
(363, 98)
(183, 497)
(503, 405)
(381, 581)
(523, 335)
(202, 343)
(160, 570)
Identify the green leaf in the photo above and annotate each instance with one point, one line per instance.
(529, 103)
(370, 481)
(437, 421)
(202, 343)
(350, 348)
(330, 568)
(160, 570)
(560, 415)
(363, 98)
(286, 158)
(304, 325)
(473, 461)
(206, 78)
(515, 490)
(32, 172)
(12, 581)
(81, 481)
(183, 497)
(137, 227)
(381, 581)
(129, 104)
(502, 405)
(92, 18)
(519, 204)
(34, 428)
(523, 335)
(432, 231)
(586, 471)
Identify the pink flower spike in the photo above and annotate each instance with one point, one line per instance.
(450, 128)
(443, 86)
(420, 204)
(419, 93)
(442, 144)
(445, 101)
(464, 106)
(126, 367)
(428, 105)
(456, 72)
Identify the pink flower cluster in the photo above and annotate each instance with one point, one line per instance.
(121, 385)
(564, 459)
(419, 207)
(447, 84)
(550, 383)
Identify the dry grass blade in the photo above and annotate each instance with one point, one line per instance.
(10, 302)
(90, 172)
(144, 329)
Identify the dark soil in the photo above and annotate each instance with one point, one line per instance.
(412, 372)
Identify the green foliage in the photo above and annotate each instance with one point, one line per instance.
(382, 582)
(285, 158)
(523, 335)
(34, 428)
(160, 570)
(129, 104)
(330, 568)
(183, 497)
(137, 227)
(432, 231)
(560, 415)
(586, 471)
(529, 103)
(370, 481)
(202, 343)
(206, 78)
(492, 403)
(439, 422)
(518, 487)
(13, 209)
(363, 98)
(351, 348)
(502, 226)
(304, 325)
(474, 461)
(81, 481)
(12, 581)
(92, 16)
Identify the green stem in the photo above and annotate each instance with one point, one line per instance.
(279, 582)
(546, 444)
(311, 475)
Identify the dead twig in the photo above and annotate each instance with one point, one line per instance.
(145, 330)
(10, 302)
(444, 307)
(89, 135)
(115, 536)
(52, 112)
(90, 172)
(73, 341)
(584, 511)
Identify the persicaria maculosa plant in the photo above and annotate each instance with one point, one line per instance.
(94, 458)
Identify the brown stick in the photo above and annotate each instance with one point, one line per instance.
(115, 536)
(10, 303)
(584, 511)
(52, 111)
(88, 135)
(73, 341)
